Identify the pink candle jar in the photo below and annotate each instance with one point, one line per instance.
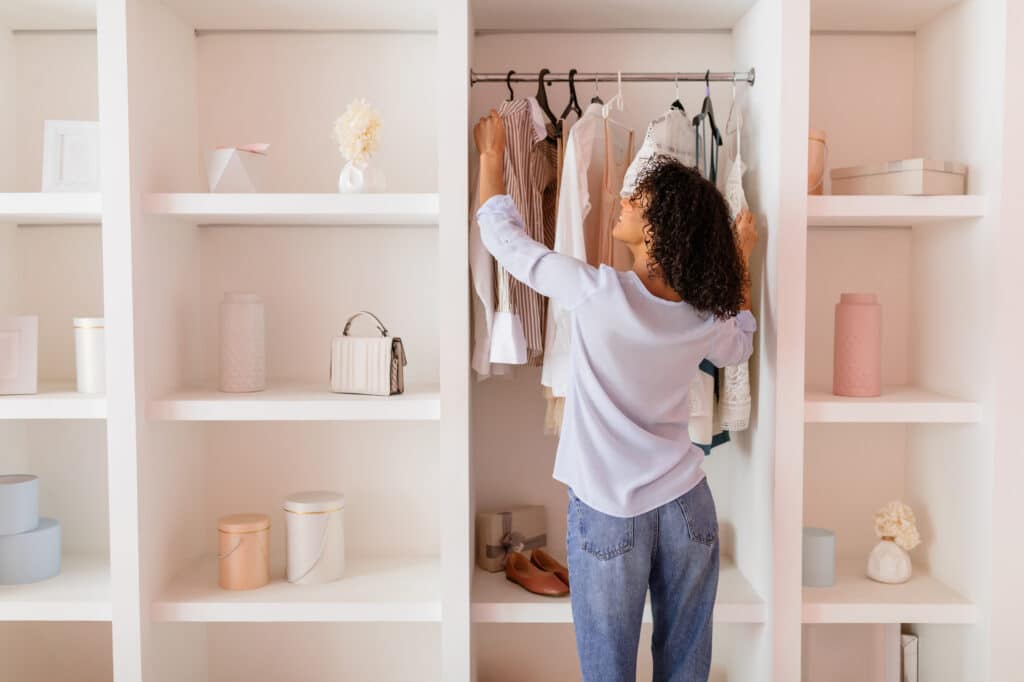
(244, 551)
(857, 366)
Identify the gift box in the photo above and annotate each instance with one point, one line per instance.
(519, 529)
(236, 169)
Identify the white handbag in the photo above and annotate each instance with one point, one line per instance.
(367, 365)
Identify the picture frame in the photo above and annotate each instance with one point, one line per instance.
(71, 156)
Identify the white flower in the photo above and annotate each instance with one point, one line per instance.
(356, 131)
(896, 520)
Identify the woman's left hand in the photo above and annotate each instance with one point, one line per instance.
(746, 232)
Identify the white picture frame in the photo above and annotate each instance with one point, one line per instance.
(71, 156)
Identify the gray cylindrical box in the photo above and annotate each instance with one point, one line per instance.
(19, 503)
(32, 556)
(819, 557)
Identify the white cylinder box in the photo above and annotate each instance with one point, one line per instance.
(90, 350)
(316, 537)
(19, 503)
(242, 349)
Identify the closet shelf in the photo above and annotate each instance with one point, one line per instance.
(297, 209)
(55, 400)
(51, 208)
(855, 598)
(890, 211)
(373, 589)
(297, 402)
(897, 404)
(80, 593)
(498, 600)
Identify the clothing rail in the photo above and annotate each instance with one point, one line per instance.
(612, 77)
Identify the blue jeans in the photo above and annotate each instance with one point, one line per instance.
(673, 550)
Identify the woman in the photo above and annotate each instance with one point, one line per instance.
(641, 514)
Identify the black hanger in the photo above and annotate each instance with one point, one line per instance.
(596, 99)
(542, 98)
(707, 110)
(574, 104)
(508, 84)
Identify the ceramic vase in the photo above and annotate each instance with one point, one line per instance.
(857, 366)
(242, 344)
(360, 178)
(889, 563)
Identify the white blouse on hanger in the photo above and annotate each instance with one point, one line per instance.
(672, 134)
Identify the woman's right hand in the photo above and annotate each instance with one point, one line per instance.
(746, 233)
(489, 135)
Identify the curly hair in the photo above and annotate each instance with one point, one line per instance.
(690, 237)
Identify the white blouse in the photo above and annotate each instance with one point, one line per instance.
(625, 447)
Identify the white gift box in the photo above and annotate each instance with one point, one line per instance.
(236, 169)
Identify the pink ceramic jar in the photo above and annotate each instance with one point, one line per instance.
(857, 367)
(244, 551)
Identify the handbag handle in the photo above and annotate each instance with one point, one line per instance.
(380, 325)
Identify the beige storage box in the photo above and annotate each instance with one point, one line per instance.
(907, 177)
(517, 529)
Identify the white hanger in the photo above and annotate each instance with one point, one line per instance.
(616, 101)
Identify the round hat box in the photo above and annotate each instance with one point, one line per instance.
(19, 503)
(31, 556)
(316, 537)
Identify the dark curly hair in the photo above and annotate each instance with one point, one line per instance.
(690, 237)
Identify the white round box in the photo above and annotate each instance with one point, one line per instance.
(19, 503)
(315, 525)
(90, 351)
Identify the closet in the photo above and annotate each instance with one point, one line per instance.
(139, 476)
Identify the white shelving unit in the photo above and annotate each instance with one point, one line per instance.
(297, 403)
(496, 600)
(374, 590)
(140, 476)
(297, 209)
(80, 593)
(891, 211)
(55, 400)
(898, 404)
(51, 208)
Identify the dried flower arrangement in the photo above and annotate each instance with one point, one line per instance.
(356, 131)
(895, 521)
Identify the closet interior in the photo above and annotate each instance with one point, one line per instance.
(139, 476)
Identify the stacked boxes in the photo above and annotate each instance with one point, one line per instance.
(29, 545)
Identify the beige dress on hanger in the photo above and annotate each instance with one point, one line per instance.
(618, 153)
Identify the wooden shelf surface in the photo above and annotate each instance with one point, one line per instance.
(80, 593)
(372, 590)
(897, 404)
(51, 208)
(211, 209)
(55, 400)
(890, 211)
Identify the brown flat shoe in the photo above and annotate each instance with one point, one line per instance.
(546, 562)
(519, 570)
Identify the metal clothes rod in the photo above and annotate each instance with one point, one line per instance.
(612, 77)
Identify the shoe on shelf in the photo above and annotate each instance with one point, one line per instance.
(519, 570)
(734, 403)
(546, 562)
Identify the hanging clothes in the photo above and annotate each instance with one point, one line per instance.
(494, 289)
(734, 399)
(594, 138)
(670, 134)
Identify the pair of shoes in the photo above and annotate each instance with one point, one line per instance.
(532, 578)
(546, 562)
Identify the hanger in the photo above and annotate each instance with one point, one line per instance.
(508, 84)
(542, 99)
(574, 104)
(678, 103)
(707, 111)
(616, 101)
(596, 99)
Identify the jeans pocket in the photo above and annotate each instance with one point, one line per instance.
(698, 508)
(602, 535)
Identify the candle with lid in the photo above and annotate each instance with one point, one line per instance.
(316, 537)
(90, 349)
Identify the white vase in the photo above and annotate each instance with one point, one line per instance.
(889, 563)
(362, 177)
